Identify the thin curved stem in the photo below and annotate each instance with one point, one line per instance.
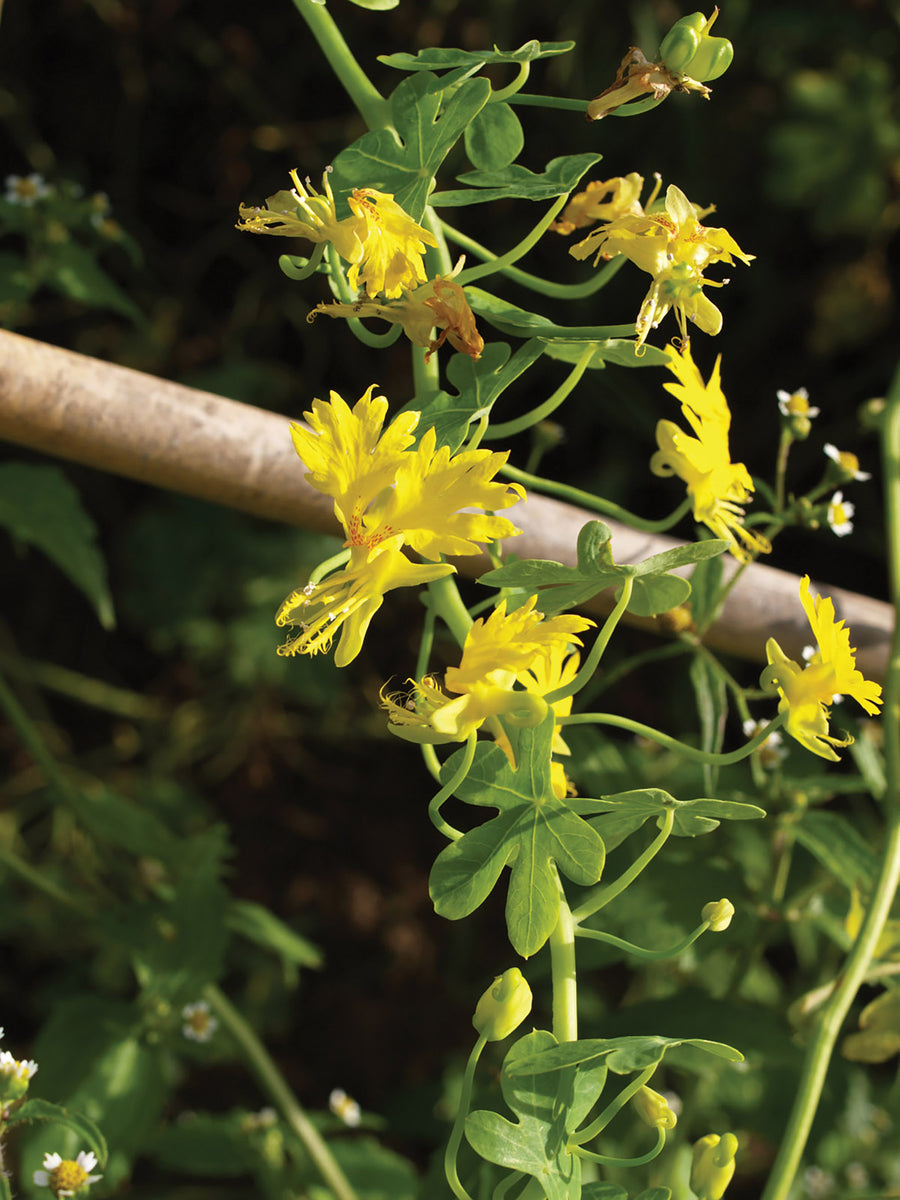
(544, 287)
(288, 263)
(330, 564)
(607, 1161)
(597, 650)
(447, 604)
(599, 935)
(596, 503)
(518, 251)
(601, 896)
(615, 1106)
(439, 798)
(507, 429)
(274, 1085)
(502, 95)
(465, 1098)
(663, 739)
(378, 341)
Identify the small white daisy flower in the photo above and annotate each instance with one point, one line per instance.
(25, 189)
(840, 513)
(199, 1023)
(65, 1176)
(21, 1070)
(848, 463)
(771, 752)
(344, 1106)
(795, 404)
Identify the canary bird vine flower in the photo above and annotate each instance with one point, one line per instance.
(438, 304)
(383, 245)
(604, 200)
(807, 692)
(501, 651)
(717, 486)
(675, 249)
(388, 495)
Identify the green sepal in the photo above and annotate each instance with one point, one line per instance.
(547, 1110)
(478, 386)
(84, 1128)
(403, 161)
(442, 58)
(39, 506)
(517, 182)
(560, 588)
(534, 834)
(622, 1055)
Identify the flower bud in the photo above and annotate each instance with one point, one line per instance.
(654, 1109)
(504, 1006)
(713, 1165)
(718, 913)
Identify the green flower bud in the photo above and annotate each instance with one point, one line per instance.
(718, 913)
(713, 1165)
(654, 1109)
(504, 1006)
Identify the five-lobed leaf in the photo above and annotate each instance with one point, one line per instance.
(516, 182)
(534, 833)
(692, 817)
(442, 58)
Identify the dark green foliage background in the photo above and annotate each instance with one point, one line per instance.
(180, 111)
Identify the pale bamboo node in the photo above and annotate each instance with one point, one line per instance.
(120, 420)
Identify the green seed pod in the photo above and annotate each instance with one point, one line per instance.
(713, 58)
(682, 41)
(504, 1006)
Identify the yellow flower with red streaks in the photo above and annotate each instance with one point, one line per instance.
(500, 651)
(807, 692)
(388, 495)
(717, 486)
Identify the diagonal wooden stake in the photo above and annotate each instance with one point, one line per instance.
(170, 436)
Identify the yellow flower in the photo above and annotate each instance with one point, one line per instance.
(603, 200)
(673, 247)
(393, 245)
(440, 303)
(499, 651)
(387, 495)
(717, 486)
(639, 79)
(807, 692)
(303, 212)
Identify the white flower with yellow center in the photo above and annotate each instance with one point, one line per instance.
(840, 514)
(848, 463)
(199, 1023)
(66, 1176)
(345, 1107)
(795, 404)
(25, 189)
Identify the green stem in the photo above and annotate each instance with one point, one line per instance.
(832, 1016)
(302, 268)
(274, 1085)
(465, 1098)
(599, 935)
(505, 1184)
(544, 287)
(518, 251)
(784, 448)
(562, 965)
(447, 604)
(689, 752)
(5, 1189)
(330, 564)
(600, 1123)
(373, 107)
(607, 1161)
(595, 503)
(504, 94)
(526, 98)
(507, 429)
(434, 808)
(95, 692)
(601, 896)
(597, 650)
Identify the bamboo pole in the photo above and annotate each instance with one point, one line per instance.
(161, 433)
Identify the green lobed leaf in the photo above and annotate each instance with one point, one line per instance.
(38, 505)
(536, 1142)
(692, 817)
(657, 594)
(403, 161)
(518, 322)
(838, 846)
(622, 1055)
(83, 1127)
(655, 1193)
(682, 556)
(478, 386)
(620, 351)
(559, 178)
(494, 137)
(441, 58)
(534, 834)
